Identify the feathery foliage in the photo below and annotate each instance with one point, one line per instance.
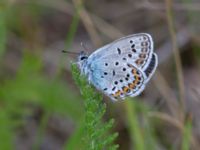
(96, 135)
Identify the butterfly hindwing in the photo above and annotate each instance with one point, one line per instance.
(117, 78)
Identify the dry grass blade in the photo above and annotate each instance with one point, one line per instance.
(165, 51)
(176, 6)
(88, 23)
(106, 28)
(176, 54)
(166, 92)
(179, 125)
(167, 118)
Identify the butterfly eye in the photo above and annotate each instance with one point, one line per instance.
(84, 57)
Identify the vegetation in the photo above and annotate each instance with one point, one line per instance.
(45, 103)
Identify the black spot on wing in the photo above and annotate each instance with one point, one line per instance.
(113, 88)
(134, 50)
(113, 72)
(119, 51)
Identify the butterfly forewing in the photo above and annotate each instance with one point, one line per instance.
(136, 48)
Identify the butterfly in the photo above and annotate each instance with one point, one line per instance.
(122, 68)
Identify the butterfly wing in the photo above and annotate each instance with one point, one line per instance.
(138, 48)
(123, 67)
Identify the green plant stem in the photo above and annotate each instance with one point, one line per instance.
(2, 32)
(187, 134)
(134, 126)
(69, 39)
(41, 131)
(72, 30)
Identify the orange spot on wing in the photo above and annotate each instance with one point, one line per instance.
(142, 55)
(134, 71)
(137, 78)
(125, 89)
(131, 85)
(117, 93)
(139, 61)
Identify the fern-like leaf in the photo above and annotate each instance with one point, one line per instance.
(96, 136)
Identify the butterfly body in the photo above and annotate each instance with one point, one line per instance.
(121, 68)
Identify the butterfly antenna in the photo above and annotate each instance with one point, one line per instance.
(74, 53)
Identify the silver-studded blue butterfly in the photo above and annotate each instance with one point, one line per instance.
(121, 68)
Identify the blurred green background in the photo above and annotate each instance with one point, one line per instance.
(41, 107)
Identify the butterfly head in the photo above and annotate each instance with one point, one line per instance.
(82, 58)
